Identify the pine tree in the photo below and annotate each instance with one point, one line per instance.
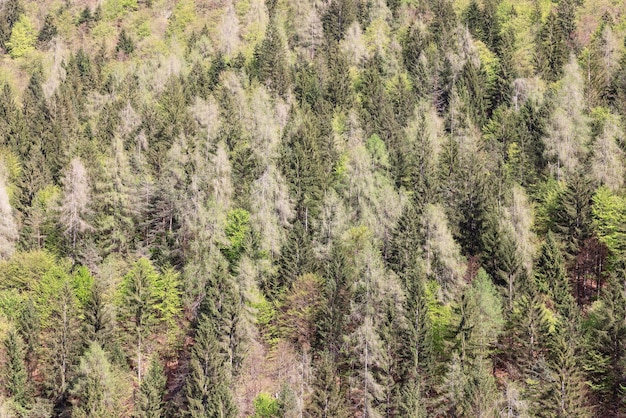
(296, 259)
(573, 217)
(149, 403)
(552, 51)
(222, 306)
(207, 389)
(47, 32)
(125, 44)
(29, 328)
(338, 18)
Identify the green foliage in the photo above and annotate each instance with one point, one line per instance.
(167, 292)
(10, 13)
(125, 44)
(237, 231)
(265, 406)
(183, 16)
(609, 220)
(48, 30)
(23, 38)
(207, 390)
(15, 375)
(336, 216)
(149, 402)
(99, 388)
(378, 151)
(551, 278)
(115, 9)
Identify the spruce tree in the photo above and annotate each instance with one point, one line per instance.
(328, 400)
(562, 391)
(137, 305)
(15, 374)
(551, 278)
(207, 389)
(149, 403)
(10, 12)
(605, 348)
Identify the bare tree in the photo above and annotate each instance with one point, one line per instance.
(8, 226)
(75, 205)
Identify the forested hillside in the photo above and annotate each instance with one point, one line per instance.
(312, 208)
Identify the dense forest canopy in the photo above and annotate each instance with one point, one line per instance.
(312, 208)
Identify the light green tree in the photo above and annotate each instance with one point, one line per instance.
(23, 38)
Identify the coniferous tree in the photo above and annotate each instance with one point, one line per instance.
(137, 307)
(98, 390)
(551, 278)
(562, 391)
(605, 348)
(48, 31)
(15, 374)
(149, 402)
(271, 61)
(207, 389)
(328, 399)
(29, 328)
(552, 51)
(9, 15)
(99, 316)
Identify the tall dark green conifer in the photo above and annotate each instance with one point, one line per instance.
(551, 278)
(15, 374)
(207, 389)
(328, 400)
(605, 361)
(149, 403)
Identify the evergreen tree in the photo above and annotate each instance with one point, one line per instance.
(562, 390)
(149, 402)
(328, 399)
(338, 18)
(222, 306)
(48, 31)
(552, 280)
(10, 12)
(98, 390)
(29, 328)
(137, 305)
(573, 218)
(551, 49)
(271, 61)
(15, 374)
(207, 389)
(99, 316)
(296, 259)
(605, 348)
(125, 44)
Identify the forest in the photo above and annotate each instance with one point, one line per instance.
(312, 208)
